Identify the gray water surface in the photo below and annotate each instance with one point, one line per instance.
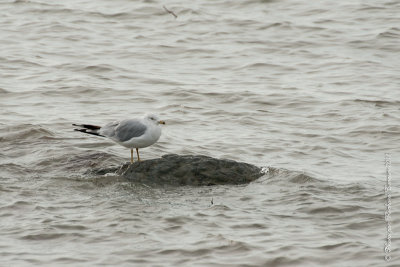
(308, 90)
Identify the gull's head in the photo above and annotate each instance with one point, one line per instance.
(154, 119)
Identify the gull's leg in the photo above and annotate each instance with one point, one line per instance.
(137, 152)
(131, 155)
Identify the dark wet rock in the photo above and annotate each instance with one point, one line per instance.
(190, 170)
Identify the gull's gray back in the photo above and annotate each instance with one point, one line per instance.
(124, 130)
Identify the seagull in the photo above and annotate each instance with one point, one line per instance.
(131, 133)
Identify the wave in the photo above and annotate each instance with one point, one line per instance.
(10, 169)
(392, 33)
(279, 175)
(3, 91)
(24, 132)
(332, 209)
(99, 68)
(16, 63)
(262, 65)
(379, 103)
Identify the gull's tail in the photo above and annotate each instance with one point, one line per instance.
(88, 129)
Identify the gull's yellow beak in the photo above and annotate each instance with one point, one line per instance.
(161, 122)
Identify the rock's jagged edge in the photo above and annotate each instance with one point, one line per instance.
(193, 170)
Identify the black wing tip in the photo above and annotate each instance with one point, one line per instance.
(87, 126)
(86, 132)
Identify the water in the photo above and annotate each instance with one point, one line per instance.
(310, 90)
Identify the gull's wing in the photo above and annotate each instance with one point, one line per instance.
(124, 130)
(128, 129)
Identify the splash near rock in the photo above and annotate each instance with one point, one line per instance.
(194, 170)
